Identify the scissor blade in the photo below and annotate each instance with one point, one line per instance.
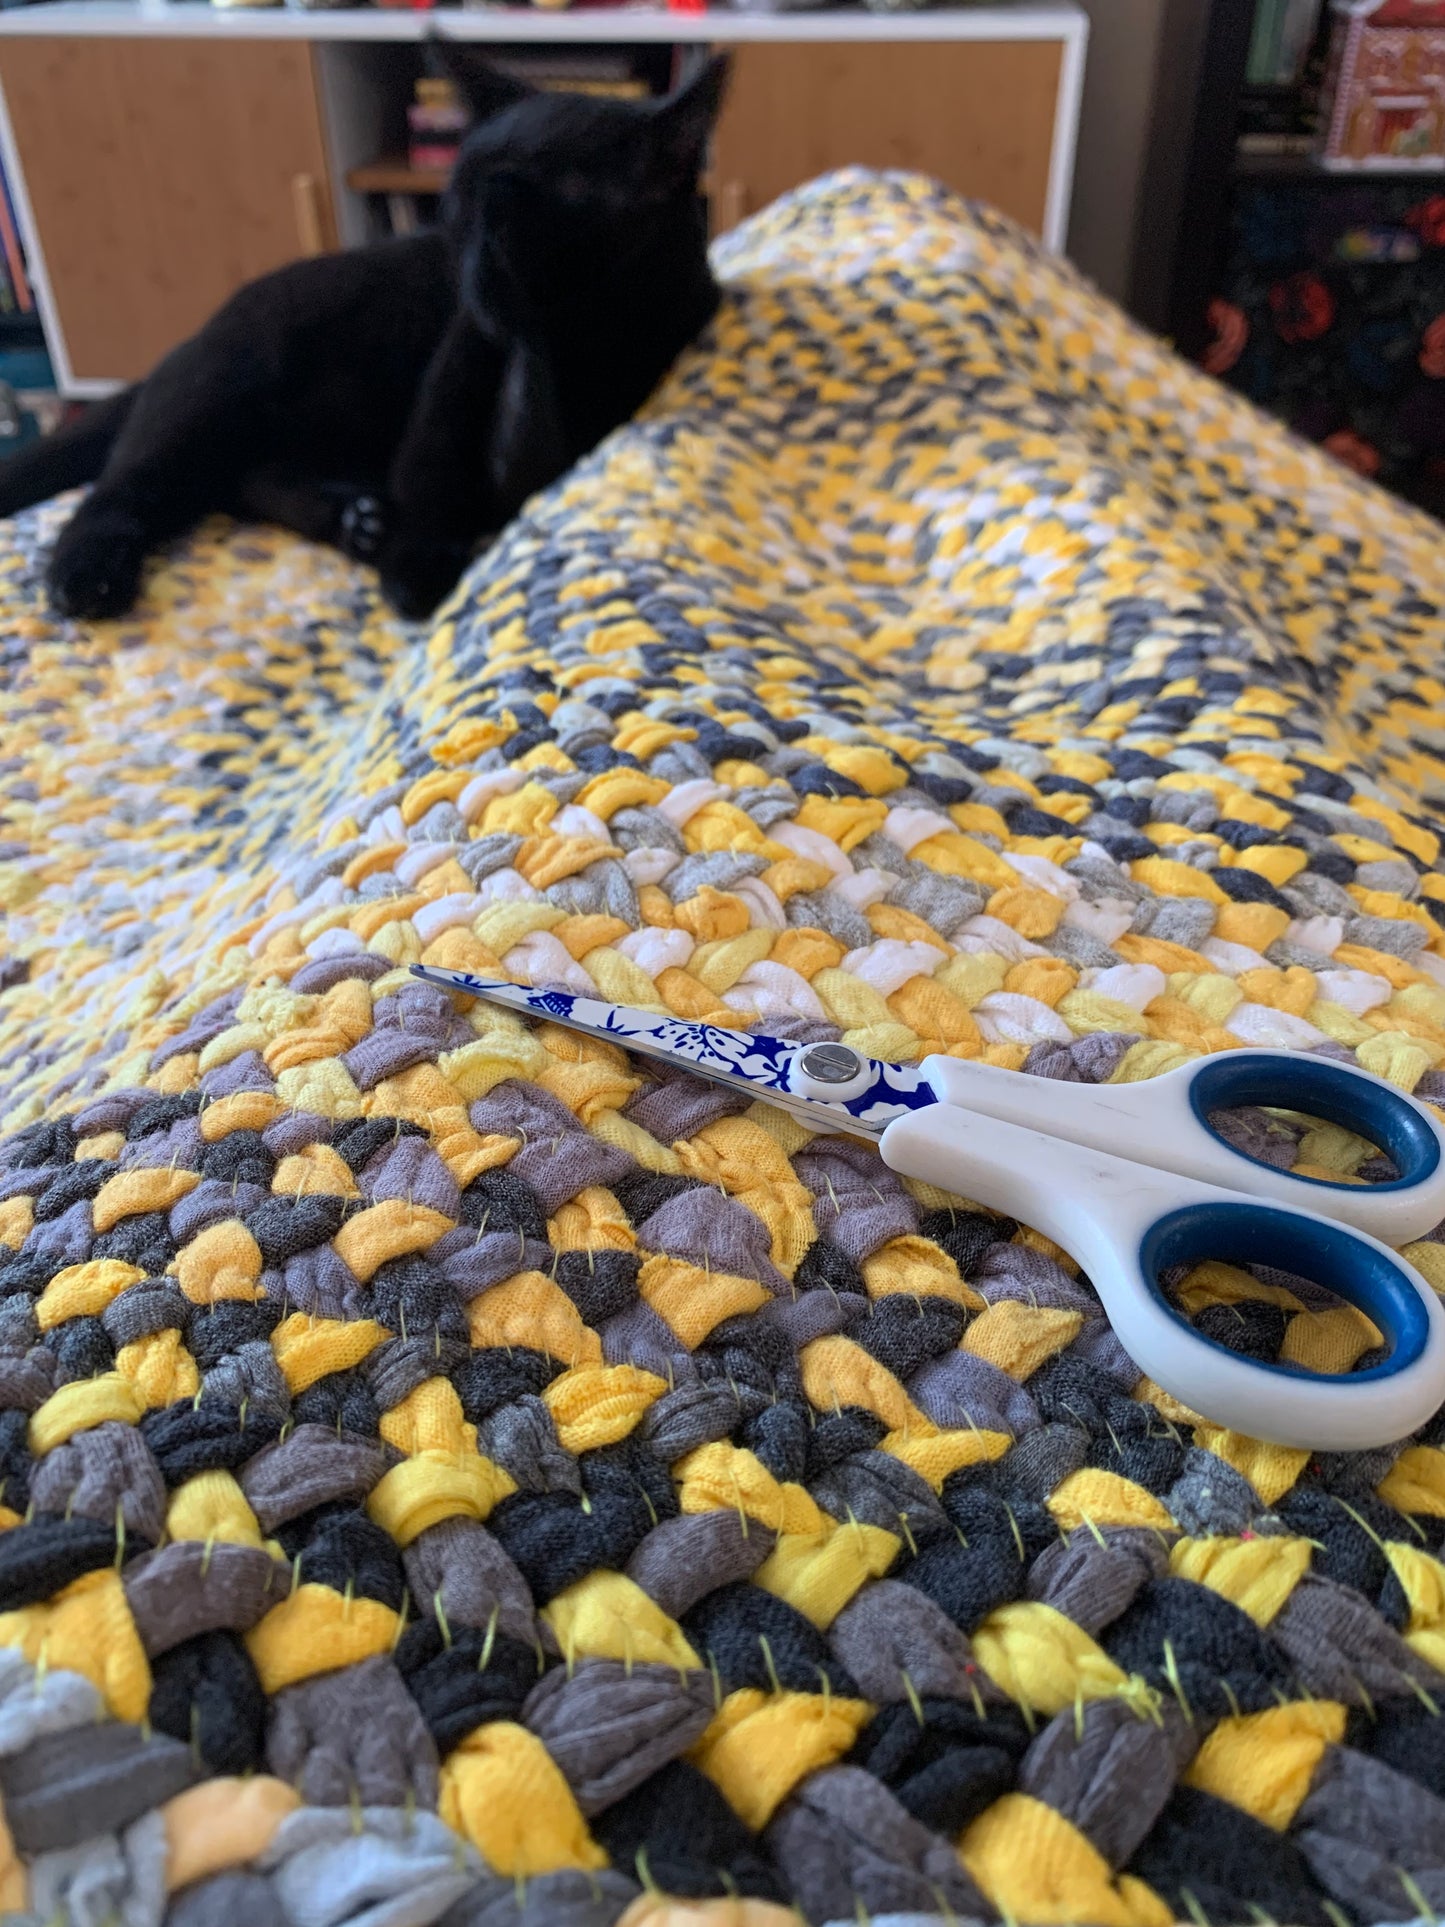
(736, 1058)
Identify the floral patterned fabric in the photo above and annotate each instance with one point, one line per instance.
(1331, 314)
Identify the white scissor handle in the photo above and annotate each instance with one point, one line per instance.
(1161, 1122)
(1125, 1223)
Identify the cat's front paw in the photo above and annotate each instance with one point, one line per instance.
(417, 574)
(363, 528)
(96, 568)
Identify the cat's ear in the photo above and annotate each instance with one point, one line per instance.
(682, 122)
(485, 89)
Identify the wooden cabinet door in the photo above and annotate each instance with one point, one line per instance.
(977, 114)
(162, 174)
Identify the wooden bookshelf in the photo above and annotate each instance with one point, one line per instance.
(291, 118)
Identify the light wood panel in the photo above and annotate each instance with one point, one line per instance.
(396, 175)
(162, 175)
(977, 115)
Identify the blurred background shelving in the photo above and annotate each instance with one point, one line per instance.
(164, 154)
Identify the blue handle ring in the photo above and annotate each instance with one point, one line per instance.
(1315, 1085)
(1326, 1253)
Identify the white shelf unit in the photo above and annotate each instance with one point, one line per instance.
(349, 52)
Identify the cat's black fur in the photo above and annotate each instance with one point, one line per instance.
(401, 401)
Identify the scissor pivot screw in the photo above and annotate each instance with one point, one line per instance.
(830, 1073)
(830, 1063)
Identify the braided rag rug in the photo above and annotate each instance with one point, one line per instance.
(453, 1474)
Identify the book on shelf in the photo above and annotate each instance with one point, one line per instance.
(403, 188)
(1281, 37)
(1274, 146)
(17, 280)
(606, 71)
(436, 124)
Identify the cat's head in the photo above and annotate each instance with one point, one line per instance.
(557, 198)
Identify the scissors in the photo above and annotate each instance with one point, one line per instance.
(1132, 1180)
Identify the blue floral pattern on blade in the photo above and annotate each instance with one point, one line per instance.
(726, 1056)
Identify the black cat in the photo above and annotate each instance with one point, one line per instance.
(402, 401)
